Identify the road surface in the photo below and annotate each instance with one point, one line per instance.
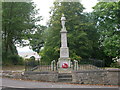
(6, 82)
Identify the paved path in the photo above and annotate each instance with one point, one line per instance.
(34, 84)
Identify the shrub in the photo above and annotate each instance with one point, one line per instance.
(115, 65)
(15, 60)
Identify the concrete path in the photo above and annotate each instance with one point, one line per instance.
(6, 82)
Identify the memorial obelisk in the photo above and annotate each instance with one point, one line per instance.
(64, 60)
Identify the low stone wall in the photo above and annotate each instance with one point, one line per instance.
(38, 76)
(104, 77)
(12, 74)
(113, 76)
(41, 76)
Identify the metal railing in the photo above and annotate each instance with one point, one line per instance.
(75, 65)
(40, 66)
(91, 64)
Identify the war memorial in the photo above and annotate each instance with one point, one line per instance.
(67, 71)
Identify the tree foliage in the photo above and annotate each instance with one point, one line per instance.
(107, 16)
(79, 32)
(37, 39)
(18, 22)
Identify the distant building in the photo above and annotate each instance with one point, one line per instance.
(27, 55)
(117, 59)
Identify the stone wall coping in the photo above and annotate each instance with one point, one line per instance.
(113, 70)
(86, 71)
(30, 72)
(12, 71)
(90, 71)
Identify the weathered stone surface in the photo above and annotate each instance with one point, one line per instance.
(64, 62)
(97, 77)
(42, 76)
(61, 61)
(64, 52)
(113, 76)
(104, 77)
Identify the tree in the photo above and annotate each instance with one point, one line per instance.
(18, 22)
(78, 40)
(36, 39)
(107, 24)
(106, 16)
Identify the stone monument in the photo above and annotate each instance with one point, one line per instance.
(64, 63)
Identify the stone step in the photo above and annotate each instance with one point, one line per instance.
(65, 77)
(64, 74)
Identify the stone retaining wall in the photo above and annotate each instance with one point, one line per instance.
(106, 77)
(113, 76)
(42, 76)
(39, 76)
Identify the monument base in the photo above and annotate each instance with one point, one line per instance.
(61, 70)
(64, 65)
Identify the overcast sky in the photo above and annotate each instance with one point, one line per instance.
(44, 6)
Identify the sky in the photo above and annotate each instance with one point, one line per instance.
(44, 6)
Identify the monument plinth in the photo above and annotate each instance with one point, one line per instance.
(64, 51)
(64, 62)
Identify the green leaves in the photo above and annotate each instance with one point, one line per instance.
(107, 24)
(78, 35)
(37, 39)
(18, 23)
(112, 45)
(18, 19)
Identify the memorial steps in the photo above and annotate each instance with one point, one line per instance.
(65, 77)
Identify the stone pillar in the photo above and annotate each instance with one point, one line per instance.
(64, 60)
(75, 65)
(64, 51)
(53, 66)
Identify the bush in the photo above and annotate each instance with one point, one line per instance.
(95, 62)
(115, 65)
(15, 60)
